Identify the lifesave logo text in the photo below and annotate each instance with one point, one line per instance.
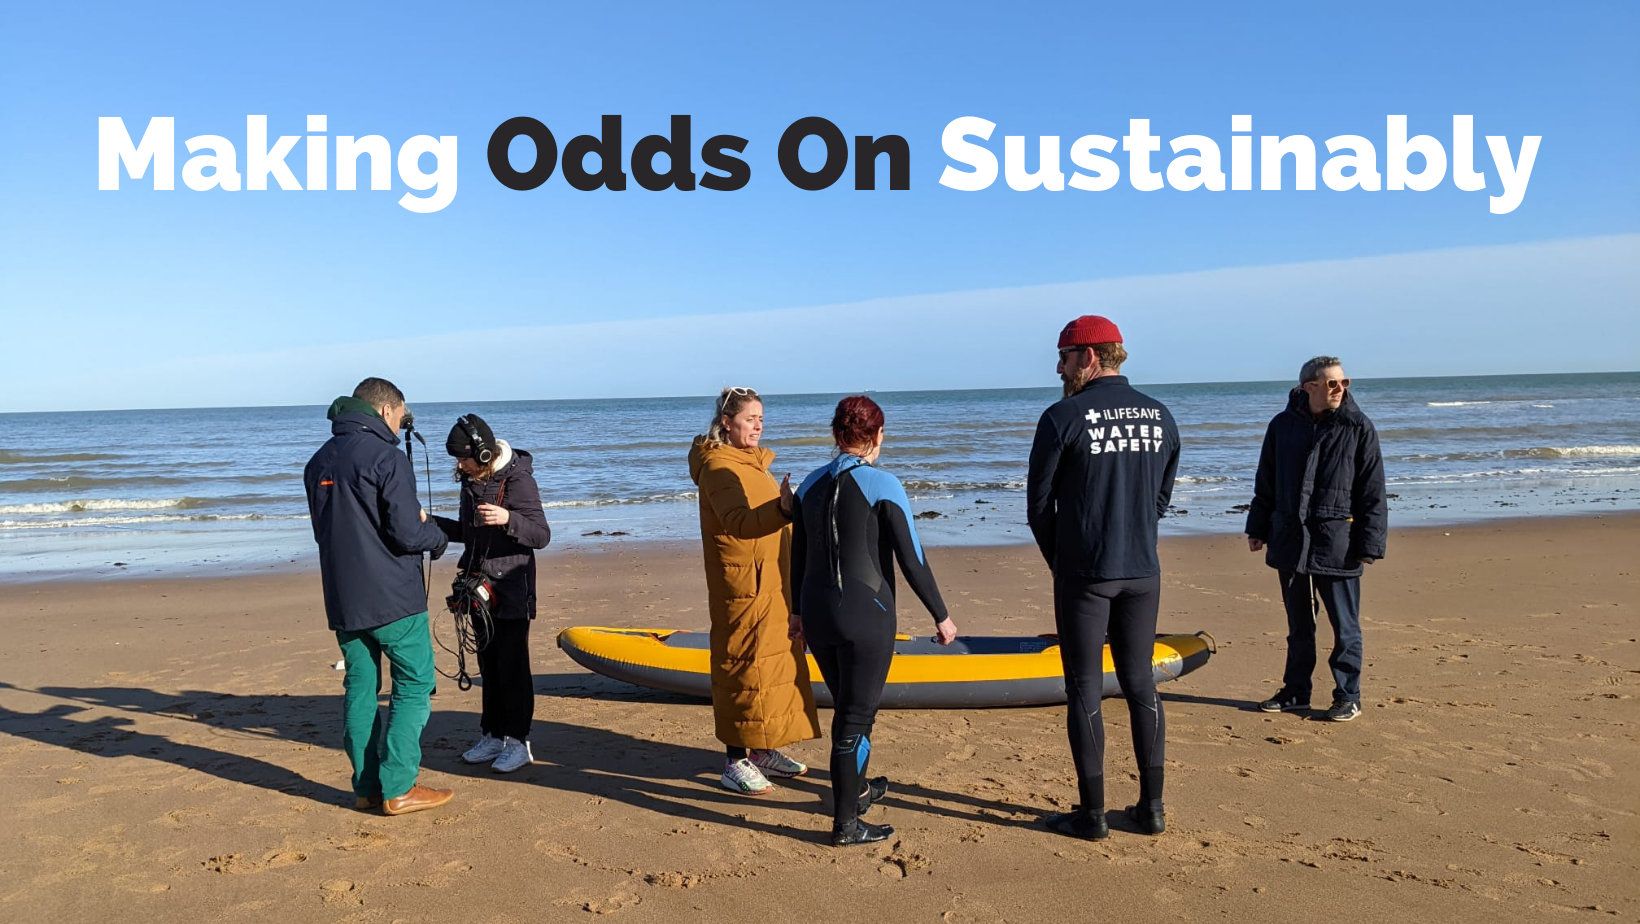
(1194, 163)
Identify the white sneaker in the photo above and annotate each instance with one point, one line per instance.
(486, 750)
(742, 776)
(775, 763)
(514, 754)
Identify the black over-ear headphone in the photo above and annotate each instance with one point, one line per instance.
(482, 452)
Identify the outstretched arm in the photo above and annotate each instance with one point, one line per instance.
(727, 497)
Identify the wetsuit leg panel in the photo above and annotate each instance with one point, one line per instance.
(1134, 605)
(862, 670)
(1082, 617)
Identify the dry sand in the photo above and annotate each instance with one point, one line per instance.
(169, 751)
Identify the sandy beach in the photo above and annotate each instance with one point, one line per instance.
(170, 751)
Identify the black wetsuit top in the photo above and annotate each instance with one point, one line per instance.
(849, 524)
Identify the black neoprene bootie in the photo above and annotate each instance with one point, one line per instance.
(1089, 826)
(875, 789)
(858, 832)
(1149, 821)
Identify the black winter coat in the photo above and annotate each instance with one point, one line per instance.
(1318, 498)
(506, 554)
(361, 494)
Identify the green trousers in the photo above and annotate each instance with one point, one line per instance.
(386, 751)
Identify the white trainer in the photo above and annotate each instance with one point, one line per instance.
(742, 776)
(486, 750)
(774, 763)
(514, 755)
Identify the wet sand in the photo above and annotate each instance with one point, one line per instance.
(170, 751)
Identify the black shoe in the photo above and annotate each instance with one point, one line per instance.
(876, 788)
(858, 832)
(1149, 821)
(1285, 702)
(1343, 710)
(1089, 826)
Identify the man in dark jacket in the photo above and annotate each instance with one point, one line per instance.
(371, 531)
(1319, 514)
(1101, 476)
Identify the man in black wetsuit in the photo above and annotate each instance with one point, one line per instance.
(1101, 476)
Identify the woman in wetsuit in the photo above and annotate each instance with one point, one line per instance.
(850, 522)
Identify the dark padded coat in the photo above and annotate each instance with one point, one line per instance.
(1318, 498)
(506, 554)
(361, 494)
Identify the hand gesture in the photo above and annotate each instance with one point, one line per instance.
(945, 631)
(794, 627)
(786, 495)
(1254, 545)
(491, 515)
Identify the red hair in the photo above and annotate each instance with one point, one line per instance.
(856, 422)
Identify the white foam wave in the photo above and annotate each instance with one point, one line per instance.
(1453, 403)
(1574, 451)
(81, 506)
(1203, 479)
(80, 522)
(612, 501)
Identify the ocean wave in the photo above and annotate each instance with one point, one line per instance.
(947, 486)
(89, 482)
(1454, 403)
(1552, 473)
(612, 501)
(81, 506)
(8, 457)
(80, 522)
(1534, 452)
(1204, 479)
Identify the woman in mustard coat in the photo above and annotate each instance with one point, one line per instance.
(761, 696)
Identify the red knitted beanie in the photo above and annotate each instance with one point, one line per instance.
(1089, 329)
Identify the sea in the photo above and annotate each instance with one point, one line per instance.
(219, 490)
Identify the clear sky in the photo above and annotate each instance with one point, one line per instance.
(152, 298)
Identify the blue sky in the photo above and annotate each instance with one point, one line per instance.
(145, 298)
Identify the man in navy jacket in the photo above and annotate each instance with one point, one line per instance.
(371, 530)
(1319, 514)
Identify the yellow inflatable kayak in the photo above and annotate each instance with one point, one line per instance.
(968, 673)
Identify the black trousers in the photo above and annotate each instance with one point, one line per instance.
(1085, 612)
(1341, 596)
(855, 672)
(509, 687)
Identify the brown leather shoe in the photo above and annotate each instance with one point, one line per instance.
(417, 799)
(366, 803)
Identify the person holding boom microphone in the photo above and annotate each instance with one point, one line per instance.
(371, 530)
(500, 526)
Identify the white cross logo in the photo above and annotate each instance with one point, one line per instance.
(1093, 417)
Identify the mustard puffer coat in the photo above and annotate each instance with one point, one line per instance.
(761, 697)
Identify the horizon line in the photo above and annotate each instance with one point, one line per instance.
(808, 394)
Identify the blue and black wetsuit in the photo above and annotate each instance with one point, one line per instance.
(849, 524)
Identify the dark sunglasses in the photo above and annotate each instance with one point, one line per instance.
(1069, 350)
